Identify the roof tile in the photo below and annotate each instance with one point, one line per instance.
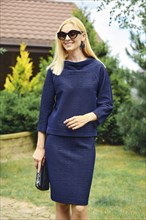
(36, 21)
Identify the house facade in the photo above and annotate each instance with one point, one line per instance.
(33, 22)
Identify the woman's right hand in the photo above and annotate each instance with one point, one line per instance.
(39, 157)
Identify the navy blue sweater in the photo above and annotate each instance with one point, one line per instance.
(81, 88)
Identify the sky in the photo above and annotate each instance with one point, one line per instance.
(117, 39)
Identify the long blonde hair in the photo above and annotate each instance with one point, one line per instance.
(60, 55)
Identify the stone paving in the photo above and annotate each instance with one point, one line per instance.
(12, 209)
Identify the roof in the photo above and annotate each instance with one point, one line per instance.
(33, 21)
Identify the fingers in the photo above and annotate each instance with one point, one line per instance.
(74, 122)
(39, 166)
(43, 160)
(69, 120)
(36, 163)
(76, 127)
(71, 125)
(39, 158)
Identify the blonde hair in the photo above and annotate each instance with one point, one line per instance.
(60, 55)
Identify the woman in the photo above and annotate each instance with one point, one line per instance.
(76, 98)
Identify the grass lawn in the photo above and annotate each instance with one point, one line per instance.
(118, 189)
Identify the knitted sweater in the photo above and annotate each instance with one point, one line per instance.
(81, 88)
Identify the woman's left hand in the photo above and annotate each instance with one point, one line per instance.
(79, 121)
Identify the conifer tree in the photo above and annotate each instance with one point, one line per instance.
(134, 111)
(138, 50)
(19, 80)
(37, 81)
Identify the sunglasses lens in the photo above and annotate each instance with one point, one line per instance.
(73, 34)
(61, 35)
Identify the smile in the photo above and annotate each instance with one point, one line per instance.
(68, 43)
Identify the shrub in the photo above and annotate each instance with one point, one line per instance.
(19, 80)
(18, 113)
(132, 118)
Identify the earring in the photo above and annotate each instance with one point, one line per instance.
(82, 45)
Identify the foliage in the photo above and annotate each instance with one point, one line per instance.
(109, 131)
(134, 128)
(128, 13)
(99, 47)
(131, 116)
(138, 49)
(38, 80)
(2, 50)
(134, 112)
(18, 113)
(19, 81)
(20, 100)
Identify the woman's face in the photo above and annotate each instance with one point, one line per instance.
(68, 43)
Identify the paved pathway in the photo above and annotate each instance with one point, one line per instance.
(12, 209)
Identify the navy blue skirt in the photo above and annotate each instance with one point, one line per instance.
(70, 163)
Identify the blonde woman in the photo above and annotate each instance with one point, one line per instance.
(76, 98)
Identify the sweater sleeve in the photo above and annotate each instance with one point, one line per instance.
(104, 97)
(47, 102)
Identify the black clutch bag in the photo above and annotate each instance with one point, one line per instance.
(42, 178)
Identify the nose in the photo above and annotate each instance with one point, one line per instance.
(67, 37)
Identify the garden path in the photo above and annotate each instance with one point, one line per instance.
(12, 209)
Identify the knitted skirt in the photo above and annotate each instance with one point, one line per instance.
(70, 163)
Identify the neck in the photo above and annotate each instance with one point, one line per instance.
(76, 56)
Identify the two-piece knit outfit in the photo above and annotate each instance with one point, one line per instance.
(81, 88)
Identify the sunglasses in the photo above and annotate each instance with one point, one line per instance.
(72, 34)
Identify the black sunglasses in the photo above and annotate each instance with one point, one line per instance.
(72, 34)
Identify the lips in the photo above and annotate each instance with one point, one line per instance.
(68, 43)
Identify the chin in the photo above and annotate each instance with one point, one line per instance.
(69, 49)
(72, 48)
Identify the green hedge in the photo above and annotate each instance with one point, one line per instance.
(18, 113)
